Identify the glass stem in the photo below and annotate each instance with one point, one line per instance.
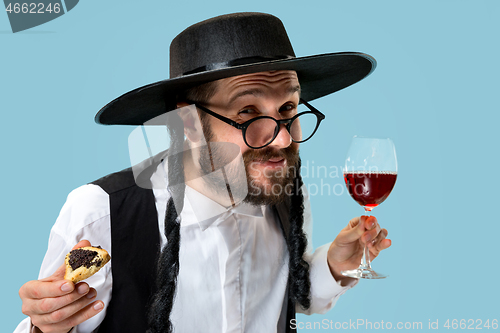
(365, 260)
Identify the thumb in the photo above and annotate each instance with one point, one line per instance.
(59, 273)
(82, 243)
(353, 231)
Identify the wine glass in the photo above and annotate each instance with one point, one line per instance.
(370, 174)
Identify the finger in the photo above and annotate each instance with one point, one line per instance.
(79, 317)
(353, 231)
(45, 289)
(49, 305)
(82, 243)
(379, 245)
(384, 244)
(354, 222)
(66, 311)
(370, 222)
(380, 237)
(371, 234)
(58, 274)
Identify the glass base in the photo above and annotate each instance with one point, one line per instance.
(363, 273)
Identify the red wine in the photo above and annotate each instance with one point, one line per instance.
(370, 189)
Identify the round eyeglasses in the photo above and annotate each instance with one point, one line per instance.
(260, 131)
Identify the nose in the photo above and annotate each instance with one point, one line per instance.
(283, 139)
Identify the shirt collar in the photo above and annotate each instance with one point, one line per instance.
(200, 209)
(204, 211)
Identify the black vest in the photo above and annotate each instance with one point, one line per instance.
(135, 246)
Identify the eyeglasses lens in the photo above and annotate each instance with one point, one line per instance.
(303, 127)
(262, 131)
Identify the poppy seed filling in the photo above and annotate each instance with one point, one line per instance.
(79, 257)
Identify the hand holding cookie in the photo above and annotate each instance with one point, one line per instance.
(55, 304)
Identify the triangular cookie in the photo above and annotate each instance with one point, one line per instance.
(84, 262)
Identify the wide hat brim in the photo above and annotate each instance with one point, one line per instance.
(318, 75)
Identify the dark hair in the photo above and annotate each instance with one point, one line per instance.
(168, 262)
(299, 283)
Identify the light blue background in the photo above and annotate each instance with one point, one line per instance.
(434, 92)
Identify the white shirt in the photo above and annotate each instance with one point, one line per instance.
(233, 268)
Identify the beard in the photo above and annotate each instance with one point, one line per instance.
(267, 186)
(262, 187)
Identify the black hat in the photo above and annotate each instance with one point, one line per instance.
(231, 45)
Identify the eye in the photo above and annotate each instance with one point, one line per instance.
(247, 111)
(288, 108)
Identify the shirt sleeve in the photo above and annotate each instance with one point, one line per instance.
(85, 215)
(24, 326)
(325, 290)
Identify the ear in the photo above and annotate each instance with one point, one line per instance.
(191, 120)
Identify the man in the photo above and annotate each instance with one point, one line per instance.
(229, 262)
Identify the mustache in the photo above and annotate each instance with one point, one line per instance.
(290, 154)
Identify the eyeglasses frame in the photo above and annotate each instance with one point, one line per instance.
(287, 122)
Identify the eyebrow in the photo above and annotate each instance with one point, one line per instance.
(258, 92)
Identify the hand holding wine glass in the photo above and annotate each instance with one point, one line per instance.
(370, 174)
